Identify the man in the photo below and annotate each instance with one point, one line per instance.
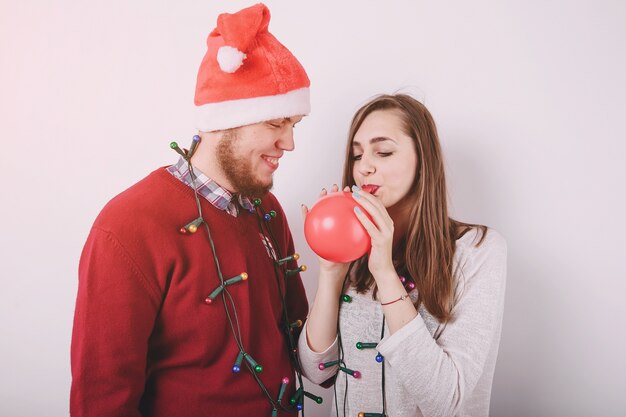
(188, 287)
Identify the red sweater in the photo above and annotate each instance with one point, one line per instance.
(144, 341)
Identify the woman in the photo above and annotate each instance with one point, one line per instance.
(436, 283)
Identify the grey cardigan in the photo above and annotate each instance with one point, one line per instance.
(431, 369)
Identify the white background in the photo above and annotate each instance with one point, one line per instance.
(529, 97)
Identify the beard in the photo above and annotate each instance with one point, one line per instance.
(238, 168)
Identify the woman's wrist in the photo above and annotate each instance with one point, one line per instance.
(330, 282)
(401, 298)
(390, 287)
(386, 276)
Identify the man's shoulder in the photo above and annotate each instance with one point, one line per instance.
(271, 203)
(145, 196)
(270, 199)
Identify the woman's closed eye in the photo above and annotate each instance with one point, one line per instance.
(381, 154)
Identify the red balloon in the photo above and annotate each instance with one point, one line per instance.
(333, 231)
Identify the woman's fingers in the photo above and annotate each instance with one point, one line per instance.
(333, 189)
(304, 210)
(374, 207)
(369, 226)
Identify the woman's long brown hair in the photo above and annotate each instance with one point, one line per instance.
(427, 249)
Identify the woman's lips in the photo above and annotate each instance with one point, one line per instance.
(370, 188)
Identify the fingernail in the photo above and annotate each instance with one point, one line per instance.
(355, 188)
(355, 194)
(357, 210)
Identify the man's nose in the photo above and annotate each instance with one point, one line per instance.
(286, 141)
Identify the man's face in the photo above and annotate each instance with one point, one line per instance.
(249, 155)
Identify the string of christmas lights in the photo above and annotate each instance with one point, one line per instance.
(409, 285)
(280, 270)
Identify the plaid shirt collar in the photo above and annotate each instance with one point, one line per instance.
(209, 189)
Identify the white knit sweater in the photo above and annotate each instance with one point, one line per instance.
(431, 369)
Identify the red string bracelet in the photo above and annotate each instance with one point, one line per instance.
(404, 297)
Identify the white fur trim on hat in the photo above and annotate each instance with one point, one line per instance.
(229, 58)
(236, 113)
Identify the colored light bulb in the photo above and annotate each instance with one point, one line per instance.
(315, 398)
(179, 151)
(241, 277)
(194, 145)
(291, 272)
(325, 365)
(257, 368)
(283, 387)
(286, 259)
(192, 226)
(296, 396)
(355, 374)
(237, 365)
(215, 293)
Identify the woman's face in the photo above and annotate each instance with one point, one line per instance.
(385, 160)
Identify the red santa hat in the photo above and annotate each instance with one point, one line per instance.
(247, 76)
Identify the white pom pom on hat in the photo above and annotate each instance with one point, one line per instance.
(230, 59)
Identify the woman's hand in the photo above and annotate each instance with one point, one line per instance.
(381, 232)
(321, 327)
(327, 268)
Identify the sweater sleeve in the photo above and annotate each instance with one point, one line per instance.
(310, 360)
(441, 373)
(115, 312)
